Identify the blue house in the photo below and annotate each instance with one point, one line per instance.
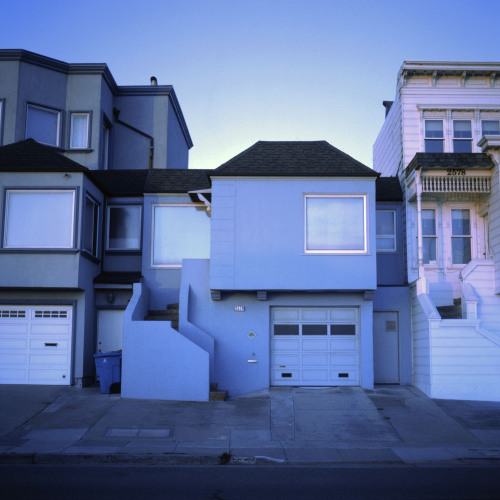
(284, 266)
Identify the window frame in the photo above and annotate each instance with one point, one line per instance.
(434, 236)
(449, 215)
(493, 121)
(434, 140)
(154, 206)
(94, 252)
(363, 251)
(73, 228)
(48, 109)
(108, 227)
(88, 115)
(386, 236)
(2, 107)
(461, 140)
(106, 129)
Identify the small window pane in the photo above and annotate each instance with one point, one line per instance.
(462, 146)
(434, 129)
(429, 250)
(39, 219)
(428, 222)
(314, 330)
(342, 329)
(335, 224)
(385, 243)
(124, 231)
(434, 146)
(42, 125)
(460, 222)
(491, 127)
(79, 130)
(286, 329)
(461, 250)
(385, 223)
(462, 129)
(91, 225)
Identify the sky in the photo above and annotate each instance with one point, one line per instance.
(249, 70)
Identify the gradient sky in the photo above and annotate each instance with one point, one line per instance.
(254, 70)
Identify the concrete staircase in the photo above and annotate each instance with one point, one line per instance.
(171, 313)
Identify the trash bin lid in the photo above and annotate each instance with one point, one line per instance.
(111, 354)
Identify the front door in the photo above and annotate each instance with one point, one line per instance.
(386, 347)
(109, 330)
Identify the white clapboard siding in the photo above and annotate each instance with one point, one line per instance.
(421, 345)
(494, 225)
(387, 149)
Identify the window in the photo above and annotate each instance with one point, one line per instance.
(429, 238)
(124, 227)
(386, 230)
(79, 130)
(434, 138)
(462, 136)
(490, 127)
(106, 143)
(180, 232)
(91, 226)
(39, 219)
(43, 125)
(335, 224)
(460, 236)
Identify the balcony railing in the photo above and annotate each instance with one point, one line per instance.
(455, 184)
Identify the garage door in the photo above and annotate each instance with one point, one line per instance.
(315, 346)
(35, 345)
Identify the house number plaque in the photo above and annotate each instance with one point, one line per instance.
(239, 309)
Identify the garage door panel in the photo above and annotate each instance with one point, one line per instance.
(323, 351)
(35, 345)
(315, 344)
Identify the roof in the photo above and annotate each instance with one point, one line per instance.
(118, 277)
(177, 180)
(120, 182)
(31, 156)
(294, 159)
(388, 189)
(443, 161)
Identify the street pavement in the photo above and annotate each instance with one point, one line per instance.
(282, 425)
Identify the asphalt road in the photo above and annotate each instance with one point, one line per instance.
(247, 482)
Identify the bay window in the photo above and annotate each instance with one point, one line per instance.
(124, 227)
(335, 224)
(180, 231)
(43, 125)
(39, 219)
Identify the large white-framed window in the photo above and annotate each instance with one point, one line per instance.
(335, 224)
(43, 124)
(386, 230)
(179, 231)
(434, 136)
(79, 130)
(429, 236)
(462, 136)
(39, 218)
(124, 227)
(91, 226)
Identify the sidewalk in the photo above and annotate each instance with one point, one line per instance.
(349, 425)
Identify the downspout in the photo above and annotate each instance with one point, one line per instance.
(116, 114)
(421, 277)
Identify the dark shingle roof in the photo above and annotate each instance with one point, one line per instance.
(118, 277)
(120, 182)
(292, 159)
(440, 161)
(31, 156)
(388, 189)
(177, 180)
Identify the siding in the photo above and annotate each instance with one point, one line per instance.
(387, 149)
(494, 225)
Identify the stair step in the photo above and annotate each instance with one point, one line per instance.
(217, 396)
(451, 312)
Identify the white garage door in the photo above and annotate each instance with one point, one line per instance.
(35, 345)
(316, 346)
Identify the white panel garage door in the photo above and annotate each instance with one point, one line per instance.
(317, 346)
(35, 345)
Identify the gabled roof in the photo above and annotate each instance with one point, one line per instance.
(120, 182)
(177, 180)
(294, 159)
(31, 156)
(388, 189)
(443, 161)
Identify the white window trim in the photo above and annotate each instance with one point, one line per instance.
(363, 251)
(387, 236)
(87, 135)
(447, 232)
(108, 219)
(46, 191)
(437, 235)
(57, 112)
(152, 235)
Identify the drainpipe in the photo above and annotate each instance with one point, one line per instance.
(419, 226)
(116, 114)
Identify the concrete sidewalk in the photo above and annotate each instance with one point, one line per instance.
(391, 424)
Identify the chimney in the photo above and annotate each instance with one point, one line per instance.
(154, 81)
(387, 106)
